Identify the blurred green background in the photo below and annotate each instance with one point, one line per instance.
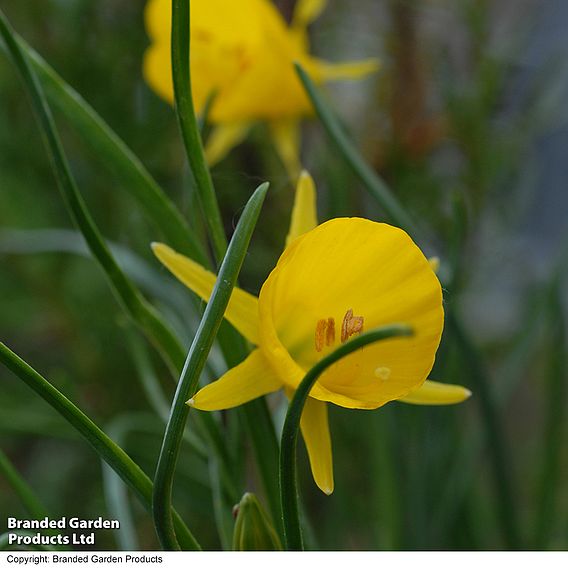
(466, 120)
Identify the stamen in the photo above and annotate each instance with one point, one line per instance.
(325, 333)
(351, 325)
(320, 334)
(330, 332)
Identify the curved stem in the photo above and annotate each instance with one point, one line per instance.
(188, 125)
(194, 363)
(110, 452)
(288, 458)
(147, 319)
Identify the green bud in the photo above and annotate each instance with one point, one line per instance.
(253, 529)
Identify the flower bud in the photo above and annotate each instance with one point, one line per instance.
(253, 529)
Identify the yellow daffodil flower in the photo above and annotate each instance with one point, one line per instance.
(332, 282)
(243, 52)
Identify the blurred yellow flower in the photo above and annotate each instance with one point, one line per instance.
(332, 282)
(243, 52)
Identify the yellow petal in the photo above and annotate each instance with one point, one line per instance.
(242, 310)
(433, 393)
(244, 52)
(315, 431)
(223, 139)
(434, 263)
(157, 18)
(348, 70)
(286, 136)
(371, 270)
(304, 213)
(157, 70)
(249, 380)
(307, 11)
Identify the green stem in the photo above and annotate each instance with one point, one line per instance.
(188, 125)
(288, 458)
(110, 452)
(259, 425)
(195, 361)
(376, 187)
(498, 451)
(143, 314)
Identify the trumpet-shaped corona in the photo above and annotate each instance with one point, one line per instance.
(243, 54)
(333, 281)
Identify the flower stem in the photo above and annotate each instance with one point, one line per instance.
(189, 127)
(194, 363)
(110, 452)
(288, 458)
(256, 414)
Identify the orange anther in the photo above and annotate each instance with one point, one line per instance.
(325, 333)
(320, 334)
(330, 332)
(351, 325)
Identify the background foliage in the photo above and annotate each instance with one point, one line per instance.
(465, 120)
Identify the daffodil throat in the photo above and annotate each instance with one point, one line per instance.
(325, 330)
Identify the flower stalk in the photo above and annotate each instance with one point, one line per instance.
(110, 452)
(195, 361)
(288, 457)
(190, 129)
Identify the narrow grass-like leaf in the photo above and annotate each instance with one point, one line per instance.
(25, 493)
(190, 130)
(256, 413)
(463, 470)
(146, 276)
(222, 507)
(142, 313)
(380, 191)
(387, 492)
(116, 493)
(136, 306)
(260, 428)
(195, 361)
(499, 454)
(288, 457)
(554, 434)
(115, 154)
(110, 452)
(376, 187)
